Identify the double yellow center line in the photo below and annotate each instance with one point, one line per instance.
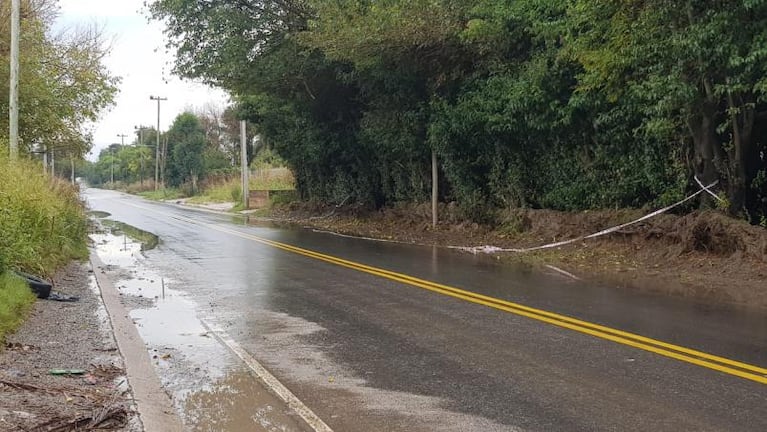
(699, 358)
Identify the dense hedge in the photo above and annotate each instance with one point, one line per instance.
(528, 103)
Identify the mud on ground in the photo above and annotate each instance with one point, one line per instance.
(705, 256)
(69, 336)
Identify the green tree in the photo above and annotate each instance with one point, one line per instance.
(64, 84)
(186, 144)
(696, 70)
(566, 105)
(407, 56)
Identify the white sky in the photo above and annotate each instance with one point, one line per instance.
(138, 56)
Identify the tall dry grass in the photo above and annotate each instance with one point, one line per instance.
(42, 219)
(42, 227)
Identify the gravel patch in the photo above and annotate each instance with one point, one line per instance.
(68, 336)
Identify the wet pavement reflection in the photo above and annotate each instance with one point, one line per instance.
(208, 385)
(236, 403)
(373, 354)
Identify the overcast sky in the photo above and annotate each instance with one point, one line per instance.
(138, 56)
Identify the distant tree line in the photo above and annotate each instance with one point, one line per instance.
(566, 105)
(197, 144)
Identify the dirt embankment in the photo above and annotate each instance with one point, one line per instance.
(704, 255)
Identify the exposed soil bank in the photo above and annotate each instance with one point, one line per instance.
(704, 255)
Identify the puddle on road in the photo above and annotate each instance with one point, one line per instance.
(243, 401)
(99, 214)
(208, 384)
(147, 240)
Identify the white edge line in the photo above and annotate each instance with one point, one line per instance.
(270, 380)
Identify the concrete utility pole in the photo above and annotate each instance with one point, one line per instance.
(157, 157)
(140, 130)
(14, 80)
(244, 160)
(72, 166)
(112, 177)
(53, 162)
(122, 139)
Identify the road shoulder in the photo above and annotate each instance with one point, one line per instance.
(153, 404)
(36, 393)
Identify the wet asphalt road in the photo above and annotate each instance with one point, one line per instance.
(369, 353)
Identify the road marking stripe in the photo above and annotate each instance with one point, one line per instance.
(699, 358)
(270, 380)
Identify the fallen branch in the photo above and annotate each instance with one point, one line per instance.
(91, 396)
(106, 418)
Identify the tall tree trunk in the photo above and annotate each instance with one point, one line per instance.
(434, 188)
(706, 146)
(743, 156)
(736, 184)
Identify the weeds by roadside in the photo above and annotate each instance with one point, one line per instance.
(219, 192)
(42, 220)
(42, 227)
(15, 302)
(162, 194)
(272, 179)
(230, 190)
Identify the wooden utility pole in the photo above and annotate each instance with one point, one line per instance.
(14, 80)
(434, 188)
(244, 162)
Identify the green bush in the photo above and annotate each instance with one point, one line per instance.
(42, 227)
(281, 197)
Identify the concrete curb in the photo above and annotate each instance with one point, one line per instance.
(154, 406)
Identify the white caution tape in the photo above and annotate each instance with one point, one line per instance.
(494, 249)
(707, 189)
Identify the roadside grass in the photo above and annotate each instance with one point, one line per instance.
(42, 219)
(42, 227)
(16, 300)
(229, 189)
(272, 179)
(221, 191)
(162, 194)
(138, 188)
